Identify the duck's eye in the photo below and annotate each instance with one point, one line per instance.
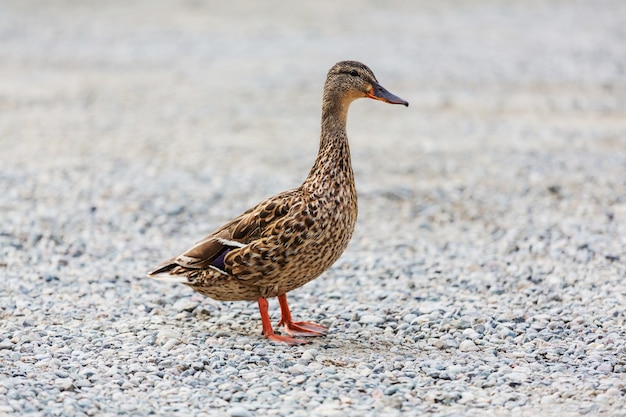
(354, 73)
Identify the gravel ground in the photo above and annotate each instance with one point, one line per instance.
(487, 272)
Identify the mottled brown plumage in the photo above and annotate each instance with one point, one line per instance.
(291, 238)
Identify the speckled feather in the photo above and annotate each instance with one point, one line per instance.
(291, 238)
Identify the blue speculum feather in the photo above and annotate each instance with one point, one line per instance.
(219, 261)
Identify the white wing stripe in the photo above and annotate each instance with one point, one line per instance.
(233, 243)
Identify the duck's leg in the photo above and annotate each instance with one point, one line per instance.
(268, 331)
(297, 328)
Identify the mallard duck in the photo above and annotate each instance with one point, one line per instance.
(291, 238)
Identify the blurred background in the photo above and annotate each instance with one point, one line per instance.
(171, 81)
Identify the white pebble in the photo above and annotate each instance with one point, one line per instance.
(239, 411)
(371, 319)
(468, 346)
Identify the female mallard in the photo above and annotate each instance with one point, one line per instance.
(291, 238)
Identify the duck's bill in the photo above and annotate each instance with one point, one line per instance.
(379, 92)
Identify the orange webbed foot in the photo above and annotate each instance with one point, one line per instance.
(293, 328)
(297, 328)
(268, 331)
(304, 329)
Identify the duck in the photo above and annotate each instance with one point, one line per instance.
(291, 238)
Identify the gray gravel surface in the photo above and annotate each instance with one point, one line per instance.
(487, 272)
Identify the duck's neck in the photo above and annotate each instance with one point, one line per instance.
(333, 166)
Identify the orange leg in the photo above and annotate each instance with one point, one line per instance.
(297, 328)
(268, 331)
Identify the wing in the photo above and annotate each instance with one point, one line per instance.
(236, 234)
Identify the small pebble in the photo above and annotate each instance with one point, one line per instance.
(6, 344)
(468, 346)
(371, 319)
(239, 411)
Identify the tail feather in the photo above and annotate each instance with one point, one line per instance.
(163, 268)
(163, 273)
(164, 276)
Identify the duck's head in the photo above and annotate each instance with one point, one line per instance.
(351, 80)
